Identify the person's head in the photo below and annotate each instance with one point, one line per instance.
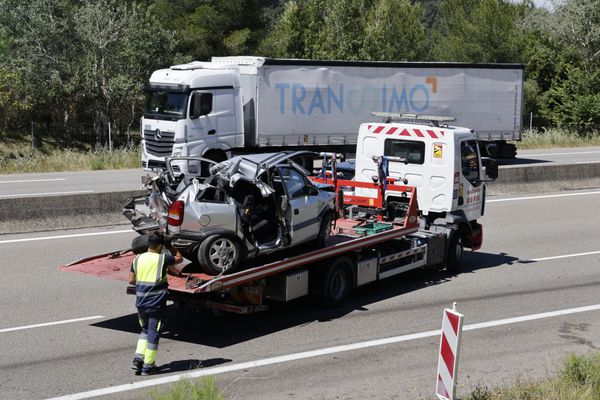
(154, 243)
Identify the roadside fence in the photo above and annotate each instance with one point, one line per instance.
(82, 136)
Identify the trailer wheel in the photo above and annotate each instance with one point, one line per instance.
(454, 253)
(337, 282)
(324, 230)
(219, 253)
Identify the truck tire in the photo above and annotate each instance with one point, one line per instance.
(218, 254)
(454, 253)
(337, 282)
(324, 230)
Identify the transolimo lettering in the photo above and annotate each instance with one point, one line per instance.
(298, 98)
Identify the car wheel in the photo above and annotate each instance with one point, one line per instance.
(218, 254)
(324, 230)
(454, 253)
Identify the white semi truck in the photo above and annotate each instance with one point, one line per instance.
(238, 105)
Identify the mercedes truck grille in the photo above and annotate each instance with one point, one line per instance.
(159, 143)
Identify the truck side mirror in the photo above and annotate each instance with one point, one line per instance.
(201, 104)
(491, 168)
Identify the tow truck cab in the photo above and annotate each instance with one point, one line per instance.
(444, 163)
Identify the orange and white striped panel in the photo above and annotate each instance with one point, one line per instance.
(396, 131)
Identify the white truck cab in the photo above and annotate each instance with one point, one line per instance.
(443, 162)
(191, 109)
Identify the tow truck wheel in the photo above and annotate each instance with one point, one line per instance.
(218, 253)
(455, 253)
(337, 283)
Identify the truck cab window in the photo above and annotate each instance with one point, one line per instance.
(412, 151)
(201, 104)
(469, 161)
(165, 105)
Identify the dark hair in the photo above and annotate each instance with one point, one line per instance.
(154, 240)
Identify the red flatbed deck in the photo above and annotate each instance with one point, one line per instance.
(117, 265)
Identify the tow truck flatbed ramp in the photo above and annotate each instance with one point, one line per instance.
(117, 265)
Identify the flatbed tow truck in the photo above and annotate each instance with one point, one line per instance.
(379, 232)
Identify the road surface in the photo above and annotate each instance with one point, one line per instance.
(541, 255)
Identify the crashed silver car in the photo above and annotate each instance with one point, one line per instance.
(248, 206)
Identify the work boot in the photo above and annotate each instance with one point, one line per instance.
(149, 369)
(137, 365)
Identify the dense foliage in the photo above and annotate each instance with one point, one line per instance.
(68, 62)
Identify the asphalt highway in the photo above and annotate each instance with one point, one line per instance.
(67, 334)
(57, 183)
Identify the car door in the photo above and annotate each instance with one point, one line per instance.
(303, 205)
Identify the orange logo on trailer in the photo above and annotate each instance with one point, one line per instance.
(437, 150)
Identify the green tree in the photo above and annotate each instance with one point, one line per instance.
(394, 31)
(478, 31)
(576, 25)
(574, 100)
(207, 28)
(42, 53)
(319, 30)
(119, 46)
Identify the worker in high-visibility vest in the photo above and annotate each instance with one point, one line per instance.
(149, 275)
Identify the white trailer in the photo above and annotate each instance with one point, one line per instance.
(236, 105)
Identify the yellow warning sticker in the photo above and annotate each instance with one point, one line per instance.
(371, 202)
(437, 150)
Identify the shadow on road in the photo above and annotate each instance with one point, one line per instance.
(201, 326)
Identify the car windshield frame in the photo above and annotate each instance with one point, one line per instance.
(164, 104)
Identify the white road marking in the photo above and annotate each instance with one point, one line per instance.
(588, 162)
(589, 253)
(559, 154)
(68, 321)
(35, 180)
(64, 236)
(314, 353)
(542, 197)
(6, 196)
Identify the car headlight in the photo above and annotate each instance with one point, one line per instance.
(204, 220)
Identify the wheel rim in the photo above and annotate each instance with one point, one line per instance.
(338, 285)
(221, 253)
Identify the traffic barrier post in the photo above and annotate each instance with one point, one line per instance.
(447, 370)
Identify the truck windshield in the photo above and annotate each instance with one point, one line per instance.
(165, 105)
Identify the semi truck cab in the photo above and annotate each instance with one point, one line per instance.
(191, 109)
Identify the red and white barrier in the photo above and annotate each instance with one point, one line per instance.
(448, 359)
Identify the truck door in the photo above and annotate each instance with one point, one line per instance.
(470, 192)
(304, 208)
(203, 121)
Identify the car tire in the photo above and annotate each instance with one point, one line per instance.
(324, 230)
(218, 254)
(454, 253)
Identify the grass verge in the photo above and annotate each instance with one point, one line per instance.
(548, 138)
(21, 159)
(205, 389)
(578, 379)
